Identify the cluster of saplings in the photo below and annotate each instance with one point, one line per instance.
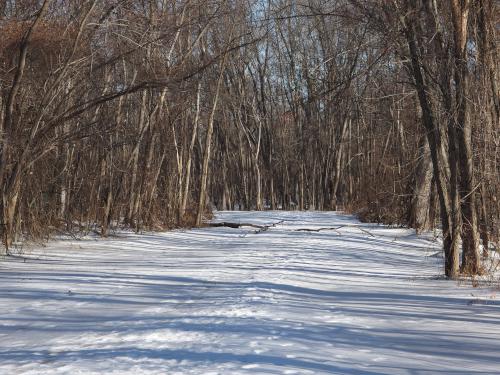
(148, 113)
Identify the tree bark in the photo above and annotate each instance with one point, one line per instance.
(470, 239)
(450, 242)
(421, 200)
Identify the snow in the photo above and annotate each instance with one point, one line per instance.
(358, 299)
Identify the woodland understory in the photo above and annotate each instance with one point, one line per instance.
(149, 114)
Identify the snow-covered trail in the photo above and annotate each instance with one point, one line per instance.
(362, 299)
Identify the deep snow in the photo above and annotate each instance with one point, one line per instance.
(361, 299)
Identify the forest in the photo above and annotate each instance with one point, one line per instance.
(151, 114)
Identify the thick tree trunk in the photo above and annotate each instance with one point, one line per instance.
(9, 215)
(470, 239)
(483, 224)
(421, 200)
(439, 160)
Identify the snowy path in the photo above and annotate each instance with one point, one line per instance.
(229, 301)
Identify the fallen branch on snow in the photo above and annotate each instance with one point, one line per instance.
(318, 229)
(260, 228)
(365, 231)
(335, 229)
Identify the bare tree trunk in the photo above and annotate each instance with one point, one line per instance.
(187, 175)
(337, 163)
(208, 146)
(110, 196)
(419, 217)
(130, 218)
(450, 242)
(483, 223)
(470, 239)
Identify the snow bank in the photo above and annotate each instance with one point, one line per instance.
(352, 299)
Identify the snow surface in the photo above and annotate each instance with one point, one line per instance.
(360, 299)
